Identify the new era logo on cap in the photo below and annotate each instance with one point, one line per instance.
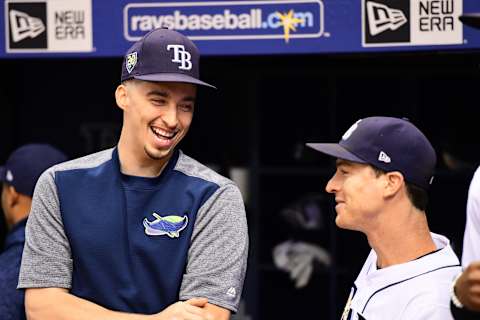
(384, 158)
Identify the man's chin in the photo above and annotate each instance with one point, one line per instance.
(156, 154)
(341, 223)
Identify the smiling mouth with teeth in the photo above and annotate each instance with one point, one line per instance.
(163, 134)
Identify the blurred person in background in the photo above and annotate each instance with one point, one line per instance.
(19, 176)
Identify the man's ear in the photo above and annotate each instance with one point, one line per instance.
(12, 195)
(121, 96)
(394, 181)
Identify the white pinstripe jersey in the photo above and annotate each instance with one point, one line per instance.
(415, 290)
(471, 239)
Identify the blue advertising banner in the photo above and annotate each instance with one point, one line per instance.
(227, 20)
(103, 28)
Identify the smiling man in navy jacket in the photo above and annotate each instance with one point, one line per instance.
(140, 231)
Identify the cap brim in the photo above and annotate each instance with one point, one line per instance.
(3, 174)
(335, 150)
(471, 19)
(172, 77)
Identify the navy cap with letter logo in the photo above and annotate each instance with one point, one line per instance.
(390, 144)
(163, 55)
(27, 163)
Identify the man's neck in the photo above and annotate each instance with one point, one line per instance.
(137, 163)
(401, 239)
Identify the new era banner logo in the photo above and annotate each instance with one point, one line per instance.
(381, 18)
(386, 21)
(23, 26)
(411, 22)
(48, 25)
(26, 22)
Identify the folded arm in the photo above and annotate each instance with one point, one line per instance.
(59, 304)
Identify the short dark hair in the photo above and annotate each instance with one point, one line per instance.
(131, 80)
(417, 195)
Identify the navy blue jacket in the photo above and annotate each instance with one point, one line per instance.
(136, 244)
(11, 299)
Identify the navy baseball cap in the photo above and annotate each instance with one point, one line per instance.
(27, 163)
(389, 144)
(163, 55)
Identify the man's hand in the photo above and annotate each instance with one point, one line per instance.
(467, 288)
(192, 309)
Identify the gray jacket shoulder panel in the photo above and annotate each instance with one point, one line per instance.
(193, 168)
(85, 162)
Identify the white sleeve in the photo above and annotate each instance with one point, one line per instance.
(471, 239)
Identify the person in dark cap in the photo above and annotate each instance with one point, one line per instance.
(139, 231)
(19, 176)
(384, 168)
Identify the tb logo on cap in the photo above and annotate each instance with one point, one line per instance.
(180, 55)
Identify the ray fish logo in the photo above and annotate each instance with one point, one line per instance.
(169, 225)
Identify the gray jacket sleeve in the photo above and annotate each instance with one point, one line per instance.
(217, 258)
(46, 260)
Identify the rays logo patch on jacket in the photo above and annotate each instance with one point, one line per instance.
(169, 225)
